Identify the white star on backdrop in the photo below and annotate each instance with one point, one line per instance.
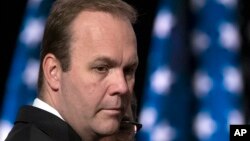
(200, 42)
(5, 129)
(235, 117)
(202, 84)
(147, 118)
(228, 3)
(163, 132)
(33, 32)
(232, 80)
(30, 74)
(163, 24)
(161, 80)
(229, 36)
(204, 126)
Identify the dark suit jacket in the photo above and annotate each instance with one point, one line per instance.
(34, 124)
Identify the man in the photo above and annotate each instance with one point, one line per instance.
(86, 78)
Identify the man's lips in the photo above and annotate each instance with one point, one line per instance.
(113, 110)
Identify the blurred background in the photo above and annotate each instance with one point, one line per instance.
(194, 71)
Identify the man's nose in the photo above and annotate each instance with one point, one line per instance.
(120, 84)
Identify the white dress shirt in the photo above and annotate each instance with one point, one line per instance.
(44, 106)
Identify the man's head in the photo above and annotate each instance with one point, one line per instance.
(57, 34)
(88, 64)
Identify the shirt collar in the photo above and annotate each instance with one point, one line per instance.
(44, 106)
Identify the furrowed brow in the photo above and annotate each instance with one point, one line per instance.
(106, 60)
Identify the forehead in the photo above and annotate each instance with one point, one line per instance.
(93, 32)
(88, 23)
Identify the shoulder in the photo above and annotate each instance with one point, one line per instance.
(27, 132)
(34, 124)
(26, 126)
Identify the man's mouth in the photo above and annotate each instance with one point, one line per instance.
(114, 110)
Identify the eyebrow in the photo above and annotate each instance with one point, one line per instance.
(106, 60)
(112, 62)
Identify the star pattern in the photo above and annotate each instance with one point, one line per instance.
(216, 84)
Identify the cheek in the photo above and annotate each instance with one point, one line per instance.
(80, 99)
(84, 90)
(76, 90)
(131, 85)
(89, 93)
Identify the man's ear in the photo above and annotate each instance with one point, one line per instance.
(52, 71)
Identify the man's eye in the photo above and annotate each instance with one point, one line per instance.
(102, 69)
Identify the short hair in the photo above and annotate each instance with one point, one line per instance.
(57, 32)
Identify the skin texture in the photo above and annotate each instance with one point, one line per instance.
(120, 135)
(95, 93)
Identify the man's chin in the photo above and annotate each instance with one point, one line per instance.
(107, 129)
(107, 122)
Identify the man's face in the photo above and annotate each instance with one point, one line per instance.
(95, 92)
